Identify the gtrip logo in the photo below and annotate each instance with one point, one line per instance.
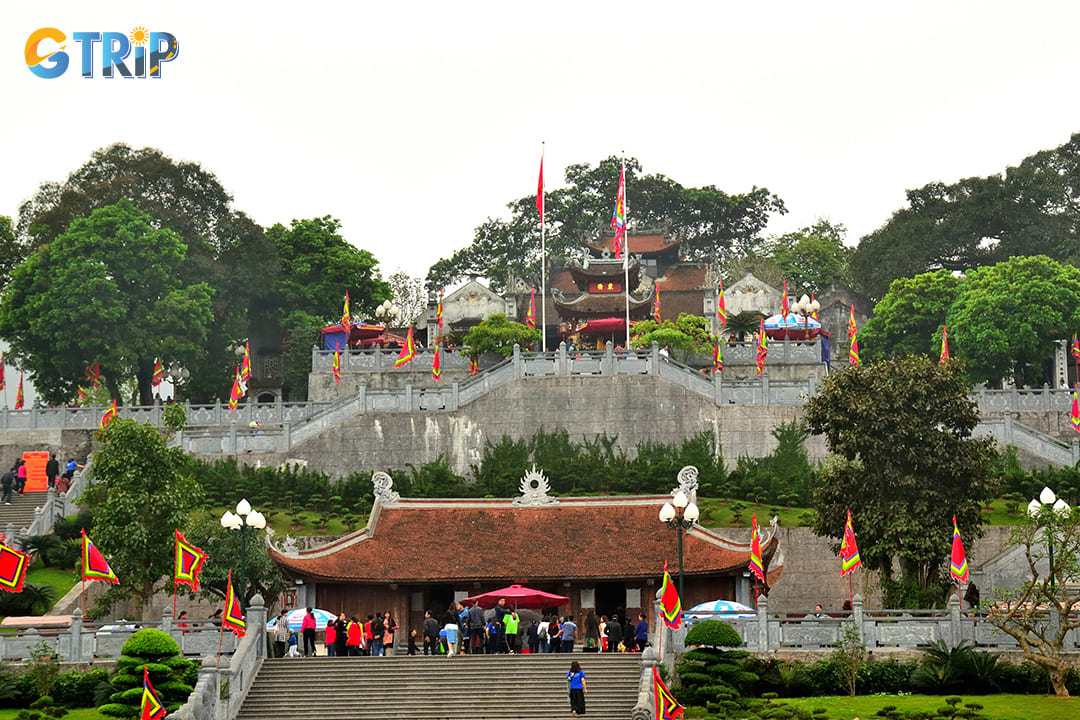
(46, 56)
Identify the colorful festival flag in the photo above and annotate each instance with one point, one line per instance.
(656, 305)
(150, 707)
(439, 313)
(943, 358)
(236, 393)
(667, 707)
(618, 219)
(436, 366)
(853, 351)
(762, 348)
(20, 398)
(336, 369)
(530, 318)
(756, 565)
(108, 416)
(159, 374)
(94, 373)
(1074, 416)
(721, 306)
(13, 566)
(3, 383)
(189, 561)
(80, 394)
(474, 367)
(234, 616)
(784, 310)
(851, 322)
(408, 351)
(670, 604)
(1075, 352)
(245, 364)
(849, 549)
(813, 314)
(94, 566)
(540, 190)
(717, 358)
(346, 320)
(958, 568)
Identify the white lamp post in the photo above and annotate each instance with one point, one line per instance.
(1044, 510)
(243, 519)
(680, 515)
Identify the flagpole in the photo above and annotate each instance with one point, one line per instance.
(626, 248)
(543, 256)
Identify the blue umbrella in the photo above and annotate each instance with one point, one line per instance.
(720, 610)
(297, 616)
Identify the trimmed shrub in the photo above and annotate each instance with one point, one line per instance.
(713, 633)
(150, 643)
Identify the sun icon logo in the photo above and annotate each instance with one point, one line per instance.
(139, 36)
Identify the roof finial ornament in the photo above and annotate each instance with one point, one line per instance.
(534, 490)
(688, 482)
(384, 488)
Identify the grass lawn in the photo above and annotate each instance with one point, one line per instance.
(62, 580)
(77, 714)
(998, 707)
(299, 523)
(717, 512)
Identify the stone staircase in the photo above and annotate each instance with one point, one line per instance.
(464, 687)
(20, 513)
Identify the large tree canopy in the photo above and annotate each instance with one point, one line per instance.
(1030, 209)
(903, 460)
(108, 290)
(908, 319)
(712, 224)
(810, 258)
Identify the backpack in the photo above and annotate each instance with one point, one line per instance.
(542, 633)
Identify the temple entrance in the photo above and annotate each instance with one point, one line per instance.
(611, 599)
(439, 598)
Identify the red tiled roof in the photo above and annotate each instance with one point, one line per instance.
(636, 243)
(600, 305)
(579, 538)
(678, 278)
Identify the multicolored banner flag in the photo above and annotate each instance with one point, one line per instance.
(245, 364)
(784, 309)
(234, 615)
(108, 416)
(436, 366)
(336, 369)
(94, 373)
(3, 383)
(851, 322)
(408, 351)
(346, 319)
(150, 706)
(439, 313)
(1075, 352)
(1074, 416)
(849, 549)
(13, 566)
(721, 306)
(813, 314)
(474, 367)
(853, 351)
(159, 374)
(656, 305)
(236, 393)
(718, 357)
(757, 566)
(540, 190)
(762, 348)
(943, 358)
(618, 219)
(20, 398)
(667, 707)
(530, 318)
(94, 566)
(670, 603)
(958, 567)
(189, 561)
(80, 394)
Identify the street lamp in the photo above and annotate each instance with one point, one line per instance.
(388, 311)
(178, 375)
(680, 515)
(1044, 511)
(806, 307)
(241, 520)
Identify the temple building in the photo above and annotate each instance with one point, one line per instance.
(604, 553)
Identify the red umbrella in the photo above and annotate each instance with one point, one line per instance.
(519, 596)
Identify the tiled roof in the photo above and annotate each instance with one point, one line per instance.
(579, 538)
(681, 277)
(636, 243)
(600, 305)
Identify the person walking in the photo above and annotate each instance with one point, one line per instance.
(52, 469)
(377, 631)
(543, 634)
(477, 629)
(281, 633)
(355, 638)
(431, 634)
(568, 635)
(330, 639)
(307, 629)
(389, 628)
(592, 633)
(20, 476)
(532, 636)
(641, 632)
(450, 620)
(7, 484)
(341, 636)
(501, 613)
(511, 632)
(575, 678)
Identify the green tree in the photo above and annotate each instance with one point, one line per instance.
(1007, 317)
(11, 250)
(712, 224)
(222, 549)
(409, 295)
(902, 459)
(499, 335)
(138, 498)
(1040, 613)
(811, 258)
(908, 319)
(107, 290)
(686, 335)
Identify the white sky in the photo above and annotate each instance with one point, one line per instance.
(414, 122)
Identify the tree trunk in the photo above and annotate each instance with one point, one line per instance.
(1057, 679)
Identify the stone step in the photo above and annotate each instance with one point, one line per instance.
(20, 513)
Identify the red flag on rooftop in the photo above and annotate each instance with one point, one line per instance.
(408, 351)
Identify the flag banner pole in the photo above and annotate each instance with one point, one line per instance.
(851, 591)
(543, 257)
(221, 636)
(626, 249)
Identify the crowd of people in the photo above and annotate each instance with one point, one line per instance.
(464, 629)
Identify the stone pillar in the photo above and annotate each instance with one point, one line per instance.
(408, 399)
(50, 505)
(608, 366)
(811, 385)
(654, 359)
(762, 640)
(256, 623)
(167, 626)
(361, 398)
(286, 437)
(644, 708)
(857, 616)
(314, 358)
(955, 633)
(1007, 430)
(455, 395)
(232, 438)
(765, 399)
(76, 630)
(561, 365)
(519, 368)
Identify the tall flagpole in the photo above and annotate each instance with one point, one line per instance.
(626, 248)
(543, 257)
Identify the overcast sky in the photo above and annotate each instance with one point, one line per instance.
(413, 122)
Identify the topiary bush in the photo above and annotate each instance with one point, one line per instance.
(713, 633)
(159, 655)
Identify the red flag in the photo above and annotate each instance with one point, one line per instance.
(108, 416)
(236, 393)
(13, 566)
(436, 366)
(721, 306)
(3, 383)
(245, 363)
(670, 604)
(540, 190)
(813, 314)
(234, 616)
(94, 566)
(667, 707)
(189, 561)
(756, 563)
(1075, 352)
(958, 567)
(656, 305)
(20, 399)
(783, 303)
(718, 358)
(439, 313)
(159, 374)
(1074, 416)
(150, 705)
(346, 319)
(762, 348)
(849, 549)
(474, 367)
(530, 319)
(408, 352)
(336, 369)
(851, 322)
(943, 358)
(853, 352)
(618, 218)
(94, 373)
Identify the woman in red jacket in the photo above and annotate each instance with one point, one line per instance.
(355, 642)
(307, 627)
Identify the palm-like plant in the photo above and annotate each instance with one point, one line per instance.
(38, 597)
(742, 325)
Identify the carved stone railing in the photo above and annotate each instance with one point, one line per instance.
(57, 505)
(380, 360)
